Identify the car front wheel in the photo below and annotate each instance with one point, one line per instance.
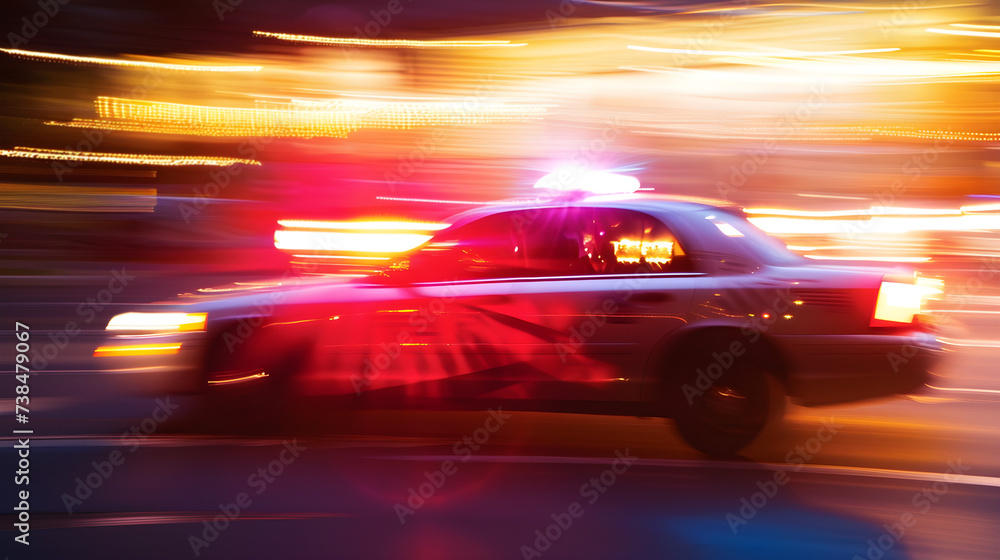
(719, 411)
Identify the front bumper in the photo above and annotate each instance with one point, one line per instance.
(829, 369)
(173, 372)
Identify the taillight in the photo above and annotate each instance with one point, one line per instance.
(899, 302)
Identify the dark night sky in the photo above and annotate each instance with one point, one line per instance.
(114, 27)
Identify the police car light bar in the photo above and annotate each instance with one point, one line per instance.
(594, 182)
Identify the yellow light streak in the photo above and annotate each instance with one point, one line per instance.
(257, 375)
(56, 57)
(767, 54)
(137, 350)
(66, 198)
(334, 119)
(139, 159)
(963, 32)
(815, 5)
(974, 26)
(384, 43)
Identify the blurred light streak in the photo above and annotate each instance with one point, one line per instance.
(241, 287)
(140, 159)
(385, 43)
(974, 26)
(257, 375)
(961, 390)
(873, 211)
(363, 225)
(982, 208)
(341, 257)
(963, 32)
(55, 57)
(970, 343)
(34, 196)
(767, 54)
(347, 242)
(158, 322)
(868, 258)
(877, 224)
(469, 202)
(937, 134)
(334, 119)
(831, 196)
(137, 350)
(754, 7)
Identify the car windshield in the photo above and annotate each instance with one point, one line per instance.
(744, 237)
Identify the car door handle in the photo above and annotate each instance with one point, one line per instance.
(652, 297)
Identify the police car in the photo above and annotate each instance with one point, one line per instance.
(632, 304)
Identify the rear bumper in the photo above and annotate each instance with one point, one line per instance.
(828, 369)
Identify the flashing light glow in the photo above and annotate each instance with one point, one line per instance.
(384, 43)
(139, 159)
(335, 119)
(137, 350)
(766, 54)
(158, 322)
(596, 182)
(55, 57)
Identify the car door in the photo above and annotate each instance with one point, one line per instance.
(567, 306)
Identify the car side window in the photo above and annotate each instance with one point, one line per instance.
(631, 242)
(573, 241)
(557, 241)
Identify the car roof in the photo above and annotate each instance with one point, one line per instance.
(643, 202)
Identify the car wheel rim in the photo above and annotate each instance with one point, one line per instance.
(730, 409)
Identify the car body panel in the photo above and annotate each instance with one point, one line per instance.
(571, 337)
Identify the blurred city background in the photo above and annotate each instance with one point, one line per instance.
(196, 143)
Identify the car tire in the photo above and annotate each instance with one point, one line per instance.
(722, 416)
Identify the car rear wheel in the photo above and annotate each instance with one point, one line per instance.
(719, 411)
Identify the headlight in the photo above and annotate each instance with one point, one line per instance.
(158, 322)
